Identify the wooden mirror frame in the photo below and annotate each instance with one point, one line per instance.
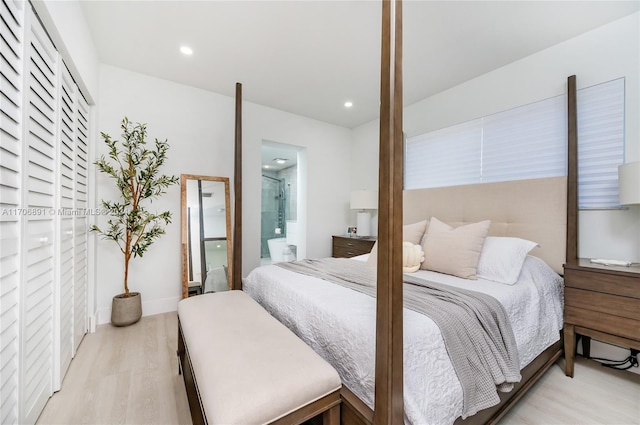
(184, 231)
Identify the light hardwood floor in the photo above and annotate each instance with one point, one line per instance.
(124, 376)
(129, 376)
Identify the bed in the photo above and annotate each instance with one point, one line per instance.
(545, 214)
(339, 323)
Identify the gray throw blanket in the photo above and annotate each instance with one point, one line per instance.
(474, 326)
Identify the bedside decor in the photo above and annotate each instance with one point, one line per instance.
(364, 200)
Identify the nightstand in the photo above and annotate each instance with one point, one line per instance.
(344, 246)
(601, 302)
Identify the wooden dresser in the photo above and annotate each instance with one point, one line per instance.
(344, 246)
(601, 302)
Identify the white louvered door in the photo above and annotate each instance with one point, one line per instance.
(37, 302)
(44, 141)
(81, 163)
(11, 51)
(65, 211)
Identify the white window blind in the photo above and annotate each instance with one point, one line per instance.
(526, 142)
(600, 143)
(529, 142)
(458, 157)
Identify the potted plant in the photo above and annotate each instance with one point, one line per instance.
(135, 170)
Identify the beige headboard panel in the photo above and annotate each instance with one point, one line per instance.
(531, 209)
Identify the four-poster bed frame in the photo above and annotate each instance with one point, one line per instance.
(388, 407)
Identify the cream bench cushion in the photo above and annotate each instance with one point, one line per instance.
(249, 368)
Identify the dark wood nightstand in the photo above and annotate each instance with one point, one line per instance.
(344, 246)
(601, 302)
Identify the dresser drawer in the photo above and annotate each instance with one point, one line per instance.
(628, 286)
(350, 247)
(608, 323)
(603, 303)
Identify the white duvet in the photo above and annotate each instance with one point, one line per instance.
(339, 324)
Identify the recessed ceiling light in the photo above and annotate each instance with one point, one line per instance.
(348, 104)
(186, 50)
(265, 166)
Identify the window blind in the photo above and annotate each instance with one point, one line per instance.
(446, 157)
(526, 142)
(600, 143)
(529, 142)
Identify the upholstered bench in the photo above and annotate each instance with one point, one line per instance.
(242, 366)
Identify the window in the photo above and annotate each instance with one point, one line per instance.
(528, 142)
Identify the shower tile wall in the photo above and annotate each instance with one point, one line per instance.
(290, 176)
(269, 216)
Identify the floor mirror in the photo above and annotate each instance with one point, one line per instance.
(206, 234)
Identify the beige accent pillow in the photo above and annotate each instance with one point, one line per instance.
(454, 251)
(410, 233)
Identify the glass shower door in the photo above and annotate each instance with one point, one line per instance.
(272, 212)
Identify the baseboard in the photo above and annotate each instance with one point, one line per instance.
(149, 308)
(93, 321)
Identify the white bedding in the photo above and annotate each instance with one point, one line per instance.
(339, 324)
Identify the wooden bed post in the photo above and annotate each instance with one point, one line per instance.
(572, 173)
(388, 407)
(236, 273)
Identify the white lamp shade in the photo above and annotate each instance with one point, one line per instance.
(364, 200)
(629, 183)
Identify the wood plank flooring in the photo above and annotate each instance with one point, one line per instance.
(124, 376)
(129, 376)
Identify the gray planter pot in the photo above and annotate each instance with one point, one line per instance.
(126, 311)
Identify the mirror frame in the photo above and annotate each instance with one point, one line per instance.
(184, 230)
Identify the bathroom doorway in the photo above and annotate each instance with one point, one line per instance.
(281, 212)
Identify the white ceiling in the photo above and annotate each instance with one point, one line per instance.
(309, 57)
(271, 151)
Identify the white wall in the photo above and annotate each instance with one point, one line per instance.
(199, 126)
(603, 54)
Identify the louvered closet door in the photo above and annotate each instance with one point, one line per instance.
(80, 220)
(11, 47)
(36, 367)
(65, 211)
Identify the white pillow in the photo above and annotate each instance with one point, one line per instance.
(501, 258)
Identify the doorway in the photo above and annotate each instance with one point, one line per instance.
(281, 219)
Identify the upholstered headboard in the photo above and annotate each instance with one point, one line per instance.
(531, 209)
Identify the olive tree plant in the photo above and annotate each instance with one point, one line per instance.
(135, 169)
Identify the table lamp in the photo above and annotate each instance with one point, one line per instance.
(364, 200)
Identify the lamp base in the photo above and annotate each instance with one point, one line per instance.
(364, 224)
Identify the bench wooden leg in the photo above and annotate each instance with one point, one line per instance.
(331, 416)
